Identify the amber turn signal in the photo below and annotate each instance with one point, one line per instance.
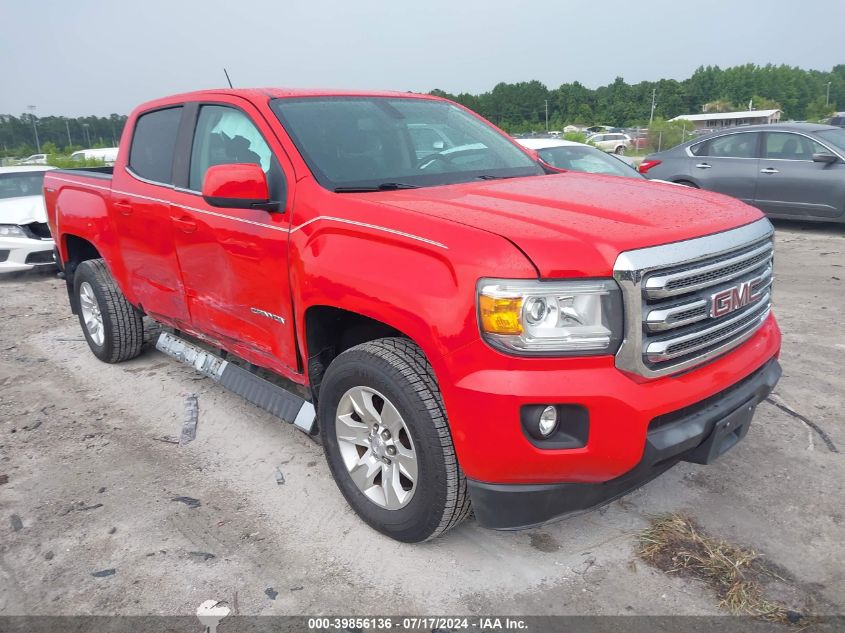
(500, 315)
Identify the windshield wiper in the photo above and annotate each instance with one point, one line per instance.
(385, 186)
(492, 177)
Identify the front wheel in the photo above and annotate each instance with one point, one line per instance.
(112, 326)
(620, 150)
(387, 441)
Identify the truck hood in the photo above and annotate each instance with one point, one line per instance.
(576, 224)
(23, 210)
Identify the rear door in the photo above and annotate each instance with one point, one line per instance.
(234, 262)
(727, 164)
(140, 211)
(790, 183)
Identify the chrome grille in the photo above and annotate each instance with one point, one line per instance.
(671, 322)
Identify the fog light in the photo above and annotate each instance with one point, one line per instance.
(548, 421)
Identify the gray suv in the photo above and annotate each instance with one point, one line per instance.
(787, 170)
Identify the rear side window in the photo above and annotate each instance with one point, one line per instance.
(729, 146)
(153, 143)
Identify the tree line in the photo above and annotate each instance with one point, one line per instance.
(522, 107)
(57, 134)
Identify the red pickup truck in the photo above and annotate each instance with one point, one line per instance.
(393, 273)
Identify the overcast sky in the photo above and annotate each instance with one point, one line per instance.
(95, 57)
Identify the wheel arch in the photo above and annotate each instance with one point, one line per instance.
(77, 250)
(330, 331)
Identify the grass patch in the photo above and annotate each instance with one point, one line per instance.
(676, 544)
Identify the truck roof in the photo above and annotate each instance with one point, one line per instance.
(281, 93)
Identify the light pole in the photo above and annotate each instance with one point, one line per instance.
(67, 127)
(653, 101)
(31, 109)
(827, 100)
(87, 134)
(547, 115)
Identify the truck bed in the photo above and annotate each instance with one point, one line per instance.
(92, 172)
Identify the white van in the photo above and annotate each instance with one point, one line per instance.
(106, 154)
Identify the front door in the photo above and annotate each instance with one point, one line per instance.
(727, 164)
(790, 183)
(234, 261)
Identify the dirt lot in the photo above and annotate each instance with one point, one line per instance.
(94, 487)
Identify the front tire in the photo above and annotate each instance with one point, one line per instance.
(387, 441)
(112, 326)
(620, 150)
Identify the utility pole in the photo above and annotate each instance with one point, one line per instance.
(547, 114)
(67, 127)
(653, 102)
(827, 100)
(87, 134)
(31, 109)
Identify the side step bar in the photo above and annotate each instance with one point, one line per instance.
(282, 403)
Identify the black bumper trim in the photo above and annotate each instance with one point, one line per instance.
(701, 435)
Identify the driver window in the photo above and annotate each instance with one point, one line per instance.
(226, 136)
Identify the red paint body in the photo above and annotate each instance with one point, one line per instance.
(410, 259)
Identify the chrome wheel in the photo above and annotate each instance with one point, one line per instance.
(91, 313)
(376, 447)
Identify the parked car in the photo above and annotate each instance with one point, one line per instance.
(25, 240)
(788, 170)
(106, 154)
(615, 142)
(34, 159)
(462, 330)
(569, 155)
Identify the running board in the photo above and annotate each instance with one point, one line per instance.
(262, 393)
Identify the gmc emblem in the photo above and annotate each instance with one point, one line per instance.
(727, 301)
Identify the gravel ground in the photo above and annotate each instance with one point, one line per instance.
(103, 514)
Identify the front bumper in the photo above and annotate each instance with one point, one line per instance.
(700, 433)
(22, 253)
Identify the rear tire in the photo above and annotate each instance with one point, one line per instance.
(396, 377)
(112, 326)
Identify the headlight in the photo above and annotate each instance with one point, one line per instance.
(551, 318)
(11, 230)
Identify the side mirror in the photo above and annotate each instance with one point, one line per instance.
(825, 158)
(237, 186)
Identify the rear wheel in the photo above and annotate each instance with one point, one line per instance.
(387, 441)
(112, 326)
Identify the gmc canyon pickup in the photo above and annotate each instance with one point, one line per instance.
(393, 273)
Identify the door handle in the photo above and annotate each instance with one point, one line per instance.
(703, 166)
(124, 207)
(185, 223)
(769, 170)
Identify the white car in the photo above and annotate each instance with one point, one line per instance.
(615, 142)
(569, 155)
(106, 154)
(35, 159)
(25, 240)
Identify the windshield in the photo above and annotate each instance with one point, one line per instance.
(588, 159)
(370, 142)
(834, 137)
(20, 184)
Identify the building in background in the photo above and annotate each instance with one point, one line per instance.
(719, 120)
